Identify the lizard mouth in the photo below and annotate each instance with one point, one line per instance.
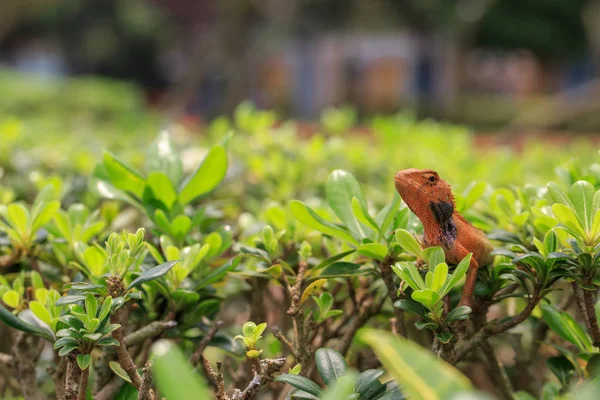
(401, 182)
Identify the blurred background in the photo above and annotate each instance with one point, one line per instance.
(491, 64)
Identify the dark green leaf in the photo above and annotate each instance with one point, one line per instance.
(412, 306)
(459, 313)
(300, 382)
(341, 268)
(562, 368)
(15, 322)
(331, 365)
(368, 384)
(152, 274)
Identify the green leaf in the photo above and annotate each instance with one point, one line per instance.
(122, 176)
(332, 259)
(550, 241)
(91, 306)
(409, 273)
(459, 272)
(343, 388)
(162, 188)
(420, 374)
(207, 176)
(566, 327)
(181, 225)
(386, 216)
(341, 268)
(66, 350)
(105, 309)
(309, 218)
(11, 320)
(18, 217)
(593, 366)
(171, 369)
(408, 242)
(153, 273)
(119, 371)
(330, 364)
(36, 280)
(459, 313)
(108, 191)
(84, 361)
(444, 337)
(375, 251)
(312, 288)
(427, 297)
(300, 382)
(108, 341)
(562, 368)
(341, 187)
(474, 191)
(582, 195)
(11, 298)
(412, 306)
(163, 157)
(43, 214)
(569, 219)
(324, 302)
(439, 277)
(368, 384)
(40, 311)
(362, 215)
(302, 395)
(557, 195)
(70, 299)
(434, 255)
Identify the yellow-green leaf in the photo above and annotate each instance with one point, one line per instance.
(311, 289)
(40, 311)
(420, 374)
(207, 176)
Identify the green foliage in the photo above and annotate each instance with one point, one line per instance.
(342, 383)
(251, 334)
(85, 327)
(312, 225)
(171, 370)
(162, 193)
(418, 373)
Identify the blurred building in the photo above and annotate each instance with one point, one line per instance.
(299, 56)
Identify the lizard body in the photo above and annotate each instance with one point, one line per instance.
(430, 199)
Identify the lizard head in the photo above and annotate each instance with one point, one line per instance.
(423, 189)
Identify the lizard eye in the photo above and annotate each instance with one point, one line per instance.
(431, 178)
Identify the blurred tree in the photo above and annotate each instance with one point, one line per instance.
(118, 38)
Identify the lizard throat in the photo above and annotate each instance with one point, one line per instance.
(443, 213)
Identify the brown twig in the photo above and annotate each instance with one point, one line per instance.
(590, 301)
(263, 374)
(151, 330)
(83, 384)
(73, 378)
(25, 352)
(491, 329)
(497, 372)
(146, 392)
(58, 376)
(109, 391)
(125, 359)
(281, 337)
(198, 354)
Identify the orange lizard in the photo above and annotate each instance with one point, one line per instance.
(430, 199)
